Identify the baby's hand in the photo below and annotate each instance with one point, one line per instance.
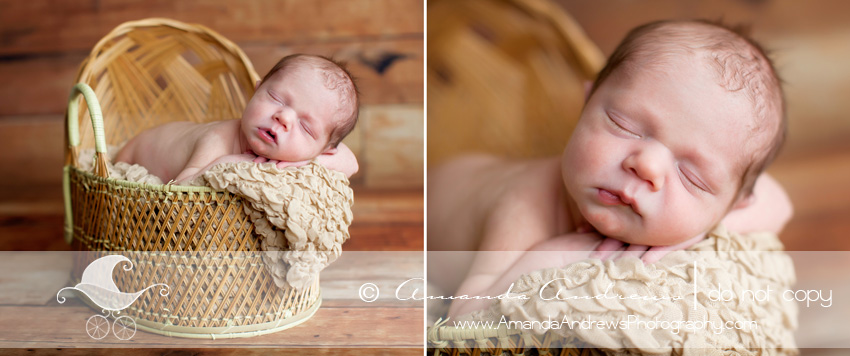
(610, 247)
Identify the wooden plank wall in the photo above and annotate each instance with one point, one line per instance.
(42, 43)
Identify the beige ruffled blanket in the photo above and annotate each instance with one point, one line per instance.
(687, 289)
(302, 214)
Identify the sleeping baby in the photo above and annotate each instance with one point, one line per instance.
(301, 110)
(673, 140)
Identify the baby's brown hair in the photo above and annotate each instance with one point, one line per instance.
(741, 64)
(338, 78)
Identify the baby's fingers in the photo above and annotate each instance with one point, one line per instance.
(260, 159)
(607, 248)
(655, 253)
(634, 251)
(283, 164)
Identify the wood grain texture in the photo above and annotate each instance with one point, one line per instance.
(247, 351)
(392, 146)
(40, 84)
(44, 26)
(64, 326)
(31, 151)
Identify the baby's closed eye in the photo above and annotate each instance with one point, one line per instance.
(276, 97)
(692, 179)
(621, 126)
(307, 129)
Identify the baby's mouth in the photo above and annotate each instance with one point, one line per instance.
(609, 197)
(267, 135)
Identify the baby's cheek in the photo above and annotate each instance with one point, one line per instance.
(580, 158)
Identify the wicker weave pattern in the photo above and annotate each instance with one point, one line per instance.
(203, 248)
(198, 241)
(154, 71)
(505, 77)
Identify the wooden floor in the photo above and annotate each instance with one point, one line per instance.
(384, 248)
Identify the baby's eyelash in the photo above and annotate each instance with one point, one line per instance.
(276, 98)
(691, 181)
(621, 128)
(307, 129)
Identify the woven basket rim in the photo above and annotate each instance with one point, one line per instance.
(128, 26)
(237, 331)
(168, 188)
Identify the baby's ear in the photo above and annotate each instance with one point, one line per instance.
(744, 201)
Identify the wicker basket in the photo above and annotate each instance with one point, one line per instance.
(197, 240)
(504, 77)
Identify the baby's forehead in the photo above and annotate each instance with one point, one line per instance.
(334, 79)
(738, 64)
(329, 78)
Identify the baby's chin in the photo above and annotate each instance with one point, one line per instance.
(637, 234)
(263, 150)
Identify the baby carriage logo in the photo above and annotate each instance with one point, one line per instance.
(97, 285)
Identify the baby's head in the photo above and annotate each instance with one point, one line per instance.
(302, 108)
(676, 129)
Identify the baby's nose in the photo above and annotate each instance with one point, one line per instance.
(648, 164)
(285, 116)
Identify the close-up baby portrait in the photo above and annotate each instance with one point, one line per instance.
(634, 178)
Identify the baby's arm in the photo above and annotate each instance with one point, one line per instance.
(523, 218)
(769, 211)
(340, 159)
(193, 169)
(127, 153)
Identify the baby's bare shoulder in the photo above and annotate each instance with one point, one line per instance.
(528, 206)
(493, 203)
(211, 141)
(165, 150)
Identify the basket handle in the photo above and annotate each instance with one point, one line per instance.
(97, 123)
(100, 169)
